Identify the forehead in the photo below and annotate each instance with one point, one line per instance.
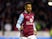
(29, 5)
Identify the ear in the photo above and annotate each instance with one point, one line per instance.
(25, 6)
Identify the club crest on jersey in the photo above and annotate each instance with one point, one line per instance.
(31, 20)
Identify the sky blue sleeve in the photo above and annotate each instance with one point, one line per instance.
(21, 18)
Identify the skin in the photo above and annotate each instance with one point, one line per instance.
(28, 8)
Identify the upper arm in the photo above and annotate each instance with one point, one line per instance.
(34, 26)
(21, 18)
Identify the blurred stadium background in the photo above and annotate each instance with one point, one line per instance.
(10, 11)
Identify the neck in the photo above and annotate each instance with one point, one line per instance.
(27, 12)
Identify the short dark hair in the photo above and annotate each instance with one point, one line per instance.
(27, 3)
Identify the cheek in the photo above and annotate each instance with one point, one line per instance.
(27, 8)
(31, 9)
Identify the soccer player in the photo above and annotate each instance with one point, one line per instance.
(25, 23)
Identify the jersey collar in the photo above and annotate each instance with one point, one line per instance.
(25, 11)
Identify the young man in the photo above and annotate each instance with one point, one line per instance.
(26, 23)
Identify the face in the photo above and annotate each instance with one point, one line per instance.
(28, 7)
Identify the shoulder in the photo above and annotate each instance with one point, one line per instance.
(33, 13)
(21, 14)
